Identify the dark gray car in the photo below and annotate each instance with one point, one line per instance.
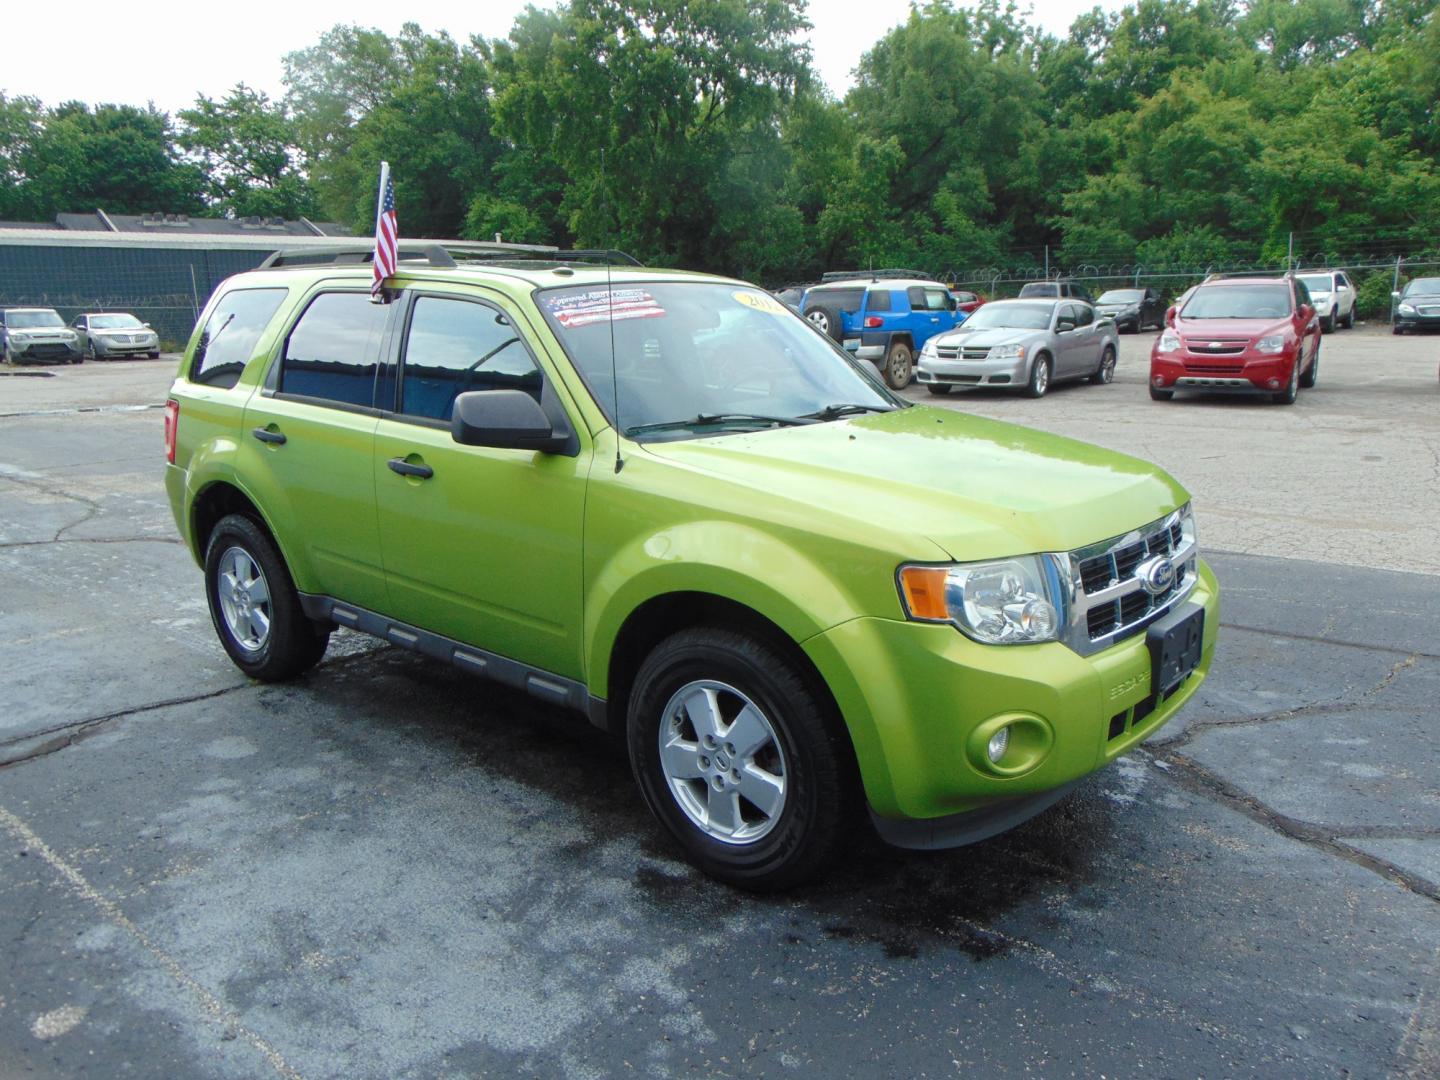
(1022, 344)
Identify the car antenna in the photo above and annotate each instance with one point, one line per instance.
(610, 315)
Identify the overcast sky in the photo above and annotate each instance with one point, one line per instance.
(169, 52)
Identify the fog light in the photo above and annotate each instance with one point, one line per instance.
(1159, 380)
(1274, 384)
(999, 743)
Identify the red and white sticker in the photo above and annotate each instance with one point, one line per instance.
(603, 305)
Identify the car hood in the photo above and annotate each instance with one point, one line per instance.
(975, 488)
(982, 338)
(1231, 328)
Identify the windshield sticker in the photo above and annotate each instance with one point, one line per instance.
(602, 305)
(760, 302)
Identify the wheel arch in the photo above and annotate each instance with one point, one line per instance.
(219, 499)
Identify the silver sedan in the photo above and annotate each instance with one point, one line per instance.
(1022, 344)
(115, 334)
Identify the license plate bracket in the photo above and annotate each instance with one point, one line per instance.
(1175, 644)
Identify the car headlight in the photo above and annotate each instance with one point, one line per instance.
(1169, 341)
(1008, 352)
(929, 349)
(1407, 309)
(1275, 343)
(1005, 602)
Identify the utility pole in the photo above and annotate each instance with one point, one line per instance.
(1047, 261)
(1395, 287)
(1290, 254)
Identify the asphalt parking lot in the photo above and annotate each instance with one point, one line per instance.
(387, 869)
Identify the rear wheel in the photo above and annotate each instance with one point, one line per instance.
(254, 605)
(899, 366)
(1106, 371)
(1307, 380)
(1039, 377)
(733, 753)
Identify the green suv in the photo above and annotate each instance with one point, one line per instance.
(665, 501)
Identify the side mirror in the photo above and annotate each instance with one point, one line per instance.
(1170, 315)
(506, 419)
(1064, 325)
(1394, 296)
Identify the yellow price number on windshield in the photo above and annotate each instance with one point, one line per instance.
(761, 302)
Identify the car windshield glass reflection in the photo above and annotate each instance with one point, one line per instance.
(1121, 296)
(1423, 287)
(1010, 317)
(692, 359)
(32, 320)
(1239, 302)
(114, 322)
(1318, 283)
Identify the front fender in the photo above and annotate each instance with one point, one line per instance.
(723, 558)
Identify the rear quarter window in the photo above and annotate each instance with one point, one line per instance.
(227, 341)
(879, 300)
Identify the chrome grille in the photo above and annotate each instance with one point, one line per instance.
(956, 352)
(1218, 347)
(1109, 602)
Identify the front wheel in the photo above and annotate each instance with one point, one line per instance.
(1292, 389)
(254, 605)
(938, 389)
(1161, 395)
(1106, 371)
(1330, 322)
(153, 355)
(731, 746)
(1039, 377)
(1349, 321)
(899, 366)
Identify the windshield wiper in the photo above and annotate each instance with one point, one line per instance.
(833, 412)
(713, 420)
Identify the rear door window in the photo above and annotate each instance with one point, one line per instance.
(332, 353)
(230, 333)
(455, 346)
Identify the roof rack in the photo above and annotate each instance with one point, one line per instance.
(1248, 274)
(443, 254)
(874, 275)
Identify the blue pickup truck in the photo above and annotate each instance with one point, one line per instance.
(884, 316)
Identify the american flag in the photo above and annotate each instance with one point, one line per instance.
(387, 232)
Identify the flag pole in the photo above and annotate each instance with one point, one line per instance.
(380, 194)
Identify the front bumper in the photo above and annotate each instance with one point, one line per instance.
(115, 348)
(915, 696)
(44, 350)
(1265, 374)
(1419, 321)
(937, 372)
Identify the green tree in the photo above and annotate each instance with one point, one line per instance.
(246, 146)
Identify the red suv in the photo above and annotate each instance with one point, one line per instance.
(1246, 334)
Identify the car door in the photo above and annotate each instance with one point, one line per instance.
(1068, 340)
(1152, 311)
(482, 545)
(82, 332)
(1345, 297)
(307, 443)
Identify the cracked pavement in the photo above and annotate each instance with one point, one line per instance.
(388, 869)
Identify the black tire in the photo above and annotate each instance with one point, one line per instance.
(1329, 323)
(1161, 395)
(1105, 373)
(938, 389)
(1396, 330)
(90, 353)
(1309, 377)
(804, 834)
(826, 319)
(1039, 377)
(1292, 390)
(899, 366)
(153, 355)
(293, 643)
(1349, 320)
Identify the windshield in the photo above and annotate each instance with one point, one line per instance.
(25, 320)
(114, 322)
(705, 357)
(1036, 288)
(1238, 302)
(1010, 315)
(1318, 283)
(1425, 286)
(1121, 296)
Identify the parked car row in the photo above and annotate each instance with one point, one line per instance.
(37, 335)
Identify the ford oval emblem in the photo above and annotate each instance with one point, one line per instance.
(1156, 575)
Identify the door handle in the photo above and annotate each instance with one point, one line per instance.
(276, 438)
(406, 468)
